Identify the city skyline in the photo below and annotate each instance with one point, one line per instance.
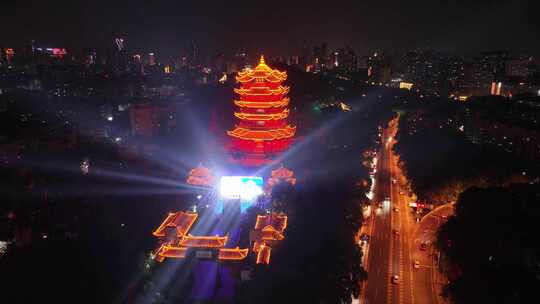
(281, 28)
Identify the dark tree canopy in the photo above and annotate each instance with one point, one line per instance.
(491, 245)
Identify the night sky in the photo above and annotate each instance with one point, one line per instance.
(274, 27)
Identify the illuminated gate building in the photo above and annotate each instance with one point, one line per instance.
(262, 131)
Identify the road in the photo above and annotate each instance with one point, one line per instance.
(396, 237)
(428, 280)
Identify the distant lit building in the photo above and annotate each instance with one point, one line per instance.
(9, 55)
(90, 57)
(344, 60)
(427, 69)
(517, 67)
(150, 120)
(119, 55)
(496, 88)
(379, 69)
(51, 52)
(151, 59)
(137, 65)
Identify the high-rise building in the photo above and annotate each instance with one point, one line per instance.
(148, 120)
(320, 56)
(10, 54)
(151, 59)
(517, 67)
(426, 69)
(119, 56)
(137, 65)
(344, 60)
(90, 56)
(262, 131)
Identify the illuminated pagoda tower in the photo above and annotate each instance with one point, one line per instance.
(261, 132)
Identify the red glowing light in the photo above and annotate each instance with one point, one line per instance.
(261, 132)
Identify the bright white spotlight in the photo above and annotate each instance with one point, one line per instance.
(241, 187)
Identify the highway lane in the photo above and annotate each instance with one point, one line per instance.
(427, 278)
(392, 230)
(404, 223)
(378, 264)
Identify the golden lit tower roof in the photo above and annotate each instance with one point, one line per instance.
(282, 172)
(232, 253)
(254, 116)
(169, 251)
(262, 135)
(203, 241)
(262, 104)
(182, 221)
(261, 72)
(263, 91)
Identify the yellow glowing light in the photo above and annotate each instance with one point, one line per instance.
(262, 135)
(262, 104)
(269, 233)
(232, 253)
(203, 241)
(181, 221)
(263, 256)
(405, 85)
(262, 72)
(223, 78)
(271, 228)
(279, 175)
(273, 116)
(262, 91)
(168, 251)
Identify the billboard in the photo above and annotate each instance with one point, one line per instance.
(241, 187)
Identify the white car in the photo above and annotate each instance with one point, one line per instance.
(396, 209)
(416, 264)
(395, 279)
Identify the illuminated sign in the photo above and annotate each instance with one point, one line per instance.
(59, 52)
(241, 187)
(405, 85)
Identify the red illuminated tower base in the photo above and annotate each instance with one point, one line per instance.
(261, 132)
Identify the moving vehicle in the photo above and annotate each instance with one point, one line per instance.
(423, 246)
(396, 209)
(416, 264)
(395, 279)
(396, 232)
